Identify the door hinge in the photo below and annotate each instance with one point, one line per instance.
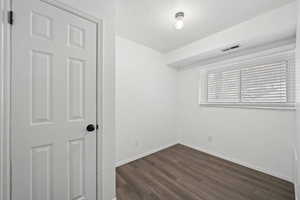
(10, 17)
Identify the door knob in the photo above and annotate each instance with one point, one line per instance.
(90, 128)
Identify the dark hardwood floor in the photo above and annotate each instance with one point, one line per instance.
(182, 173)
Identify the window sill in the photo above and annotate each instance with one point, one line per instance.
(290, 106)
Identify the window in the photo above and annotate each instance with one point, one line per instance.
(268, 83)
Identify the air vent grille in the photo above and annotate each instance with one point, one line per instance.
(231, 48)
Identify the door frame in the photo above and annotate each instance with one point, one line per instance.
(5, 93)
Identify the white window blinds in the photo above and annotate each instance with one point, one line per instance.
(265, 83)
(257, 84)
(224, 86)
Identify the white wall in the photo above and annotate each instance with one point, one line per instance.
(272, 26)
(297, 135)
(145, 101)
(261, 139)
(105, 10)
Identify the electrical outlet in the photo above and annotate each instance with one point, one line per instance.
(137, 144)
(210, 139)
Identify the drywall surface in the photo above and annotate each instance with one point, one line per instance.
(297, 133)
(258, 138)
(145, 101)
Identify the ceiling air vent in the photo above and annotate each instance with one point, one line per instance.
(231, 48)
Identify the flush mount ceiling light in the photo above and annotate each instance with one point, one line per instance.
(179, 20)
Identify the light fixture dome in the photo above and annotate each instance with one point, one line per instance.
(179, 20)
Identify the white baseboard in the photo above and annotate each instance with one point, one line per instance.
(220, 155)
(123, 162)
(114, 198)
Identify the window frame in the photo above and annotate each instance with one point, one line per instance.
(288, 57)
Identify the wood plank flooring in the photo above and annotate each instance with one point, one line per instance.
(182, 173)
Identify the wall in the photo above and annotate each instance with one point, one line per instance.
(285, 27)
(1, 106)
(260, 139)
(297, 135)
(105, 10)
(145, 101)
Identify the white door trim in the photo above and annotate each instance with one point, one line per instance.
(5, 67)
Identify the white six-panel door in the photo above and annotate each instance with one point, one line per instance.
(54, 60)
